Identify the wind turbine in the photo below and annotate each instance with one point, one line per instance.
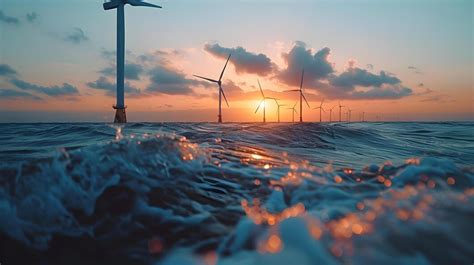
(294, 110)
(301, 96)
(349, 112)
(278, 108)
(330, 113)
(363, 116)
(221, 91)
(320, 111)
(120, 115)
(262, 102)
(340, 108)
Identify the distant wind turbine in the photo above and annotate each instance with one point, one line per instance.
(278, 108)
(363, 116)
(120, 115)
(321, 109)
(293, 111)
(221, 91)
(340, 109)
(262, 102)
(349, 112)
(301, 96)
(330, 113)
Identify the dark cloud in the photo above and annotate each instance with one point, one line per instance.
(107, 54)
(14, 94)
(76, 36)
(389, 92)
(6, 70)
(415, 69)
(53, 91)
(132, 71)
(163, 79)
(316, 66)
(32, 17)
(166, 80)
(360, 77)
(243, 61)
(8, 20)
(441, 98)
(104, 84)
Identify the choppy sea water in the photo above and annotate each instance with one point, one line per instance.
(246, 193)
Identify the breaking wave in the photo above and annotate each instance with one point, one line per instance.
(237, 194)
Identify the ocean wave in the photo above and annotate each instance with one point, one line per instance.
(145, 198)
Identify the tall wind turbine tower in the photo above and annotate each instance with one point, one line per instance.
(262, 102)
(349, 112)
(221, 91)
(340, 109)
(293, 111)
(278, 108)
(301, 96)
(321, 109)
(330, 113)
(120, 115)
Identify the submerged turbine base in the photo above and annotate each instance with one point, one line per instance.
(120, 115)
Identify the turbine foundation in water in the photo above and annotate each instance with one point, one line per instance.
(120, 115)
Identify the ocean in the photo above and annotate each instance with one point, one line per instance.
(237, 193)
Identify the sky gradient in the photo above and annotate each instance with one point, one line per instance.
(394, 60)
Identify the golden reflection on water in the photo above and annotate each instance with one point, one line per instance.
(410, 203)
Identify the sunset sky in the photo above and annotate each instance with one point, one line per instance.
(398, 60)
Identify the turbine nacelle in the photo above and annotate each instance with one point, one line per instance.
(116, 3)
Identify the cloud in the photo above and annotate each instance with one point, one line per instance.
(360, 77)
(103, 83)
(6, 70)
(389, 92)
(53, 91)
(8, 20)
(165, 80)
(32, 17)
(441, 98)
(132, 71)
(243, 61)
(415, 69)
(156, 67)
(14, 94)
(76, 36)
(316, 66)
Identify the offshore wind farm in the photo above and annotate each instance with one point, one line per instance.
(242, 132)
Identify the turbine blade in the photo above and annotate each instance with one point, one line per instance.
(222, 73)
(260, 104)
(205, 78)
(261, 91)
(141, 3)
(302, 76)
(291, 90)
(111, 5)
(305, 100)
(295, 104)
(222, 90)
